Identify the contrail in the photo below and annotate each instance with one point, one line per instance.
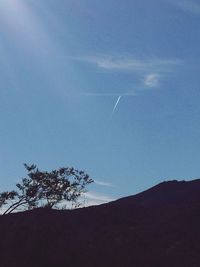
(111, 95)
(107, 94)
(115, 106)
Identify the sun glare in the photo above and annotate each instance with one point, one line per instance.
(23, 25)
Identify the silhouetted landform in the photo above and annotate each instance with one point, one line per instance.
(156, 228)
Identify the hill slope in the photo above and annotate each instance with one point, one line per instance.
(156, 228)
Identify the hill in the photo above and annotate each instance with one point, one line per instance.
(156, 228)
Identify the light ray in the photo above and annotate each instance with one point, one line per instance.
(23, 25)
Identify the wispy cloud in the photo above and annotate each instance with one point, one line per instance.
(102, 183)
(107, 94)
(113, 63)
(152, 70)
(151, 80)
(93, 198)
(187, 5)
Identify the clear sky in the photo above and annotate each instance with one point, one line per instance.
(107, 86)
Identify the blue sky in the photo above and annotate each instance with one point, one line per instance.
(110, 87)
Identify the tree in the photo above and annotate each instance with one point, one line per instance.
(46, 189)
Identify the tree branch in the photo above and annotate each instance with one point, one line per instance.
(12, 207)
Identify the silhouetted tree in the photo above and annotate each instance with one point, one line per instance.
(46, 189)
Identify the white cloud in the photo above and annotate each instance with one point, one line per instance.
(151, 80)
(113, 63)
(130, 64)
(102, 183)
(187, 5)
(151, 70)
(93, 198)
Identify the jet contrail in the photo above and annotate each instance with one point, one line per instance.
(117, 102)
(107, 94)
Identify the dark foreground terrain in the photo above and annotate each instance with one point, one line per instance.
(157, 228)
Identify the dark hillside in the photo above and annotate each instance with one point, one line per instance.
(157, 228)
(167, 193)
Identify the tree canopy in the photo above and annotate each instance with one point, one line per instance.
(46, 189)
